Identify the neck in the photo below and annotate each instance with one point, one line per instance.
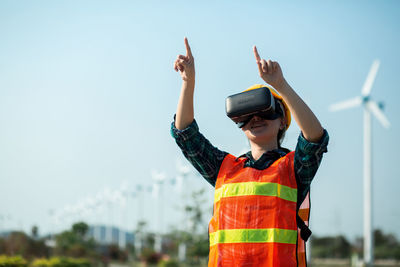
(257, 150)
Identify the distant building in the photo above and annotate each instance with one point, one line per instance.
(105, 235)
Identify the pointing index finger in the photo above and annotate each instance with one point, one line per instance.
(188, 51)
(256, 54)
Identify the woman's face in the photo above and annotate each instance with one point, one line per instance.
(262, 131)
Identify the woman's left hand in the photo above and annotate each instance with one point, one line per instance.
(270, 71)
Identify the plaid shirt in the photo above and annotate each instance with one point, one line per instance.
(207, 159)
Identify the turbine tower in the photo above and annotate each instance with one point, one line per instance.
(159, 178)
(369, 106)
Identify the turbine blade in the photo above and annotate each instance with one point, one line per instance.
(366, 90)
(350, 103)
(374, 108)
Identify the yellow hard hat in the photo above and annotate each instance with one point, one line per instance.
(277, 96)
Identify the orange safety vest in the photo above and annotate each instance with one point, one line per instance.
(254, 218)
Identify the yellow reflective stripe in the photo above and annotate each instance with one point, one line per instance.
(256, 188)
(272, 235)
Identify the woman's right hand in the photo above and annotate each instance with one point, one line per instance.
(185, 64)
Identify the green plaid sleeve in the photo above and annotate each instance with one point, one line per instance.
(206, 158)
(307, 158)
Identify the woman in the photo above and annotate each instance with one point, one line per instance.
(260, 194)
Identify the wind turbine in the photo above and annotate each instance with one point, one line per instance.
(159, 178)
(183, 173)
(369, 106)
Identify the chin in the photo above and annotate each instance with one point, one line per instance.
(261, 139)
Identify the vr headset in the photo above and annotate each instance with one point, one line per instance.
(258, 102)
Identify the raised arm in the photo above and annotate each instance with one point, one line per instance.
(185, 110)
(271, 73)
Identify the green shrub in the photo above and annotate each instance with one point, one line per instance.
(15, 261)
(41, 263)
(61, 262)
(168, 263)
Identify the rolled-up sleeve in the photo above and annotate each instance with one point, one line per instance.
(206, 158)
(308, 156)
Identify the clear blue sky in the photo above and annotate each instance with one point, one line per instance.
(88, 92)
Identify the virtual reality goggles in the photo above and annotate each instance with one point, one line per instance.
(258, 102)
